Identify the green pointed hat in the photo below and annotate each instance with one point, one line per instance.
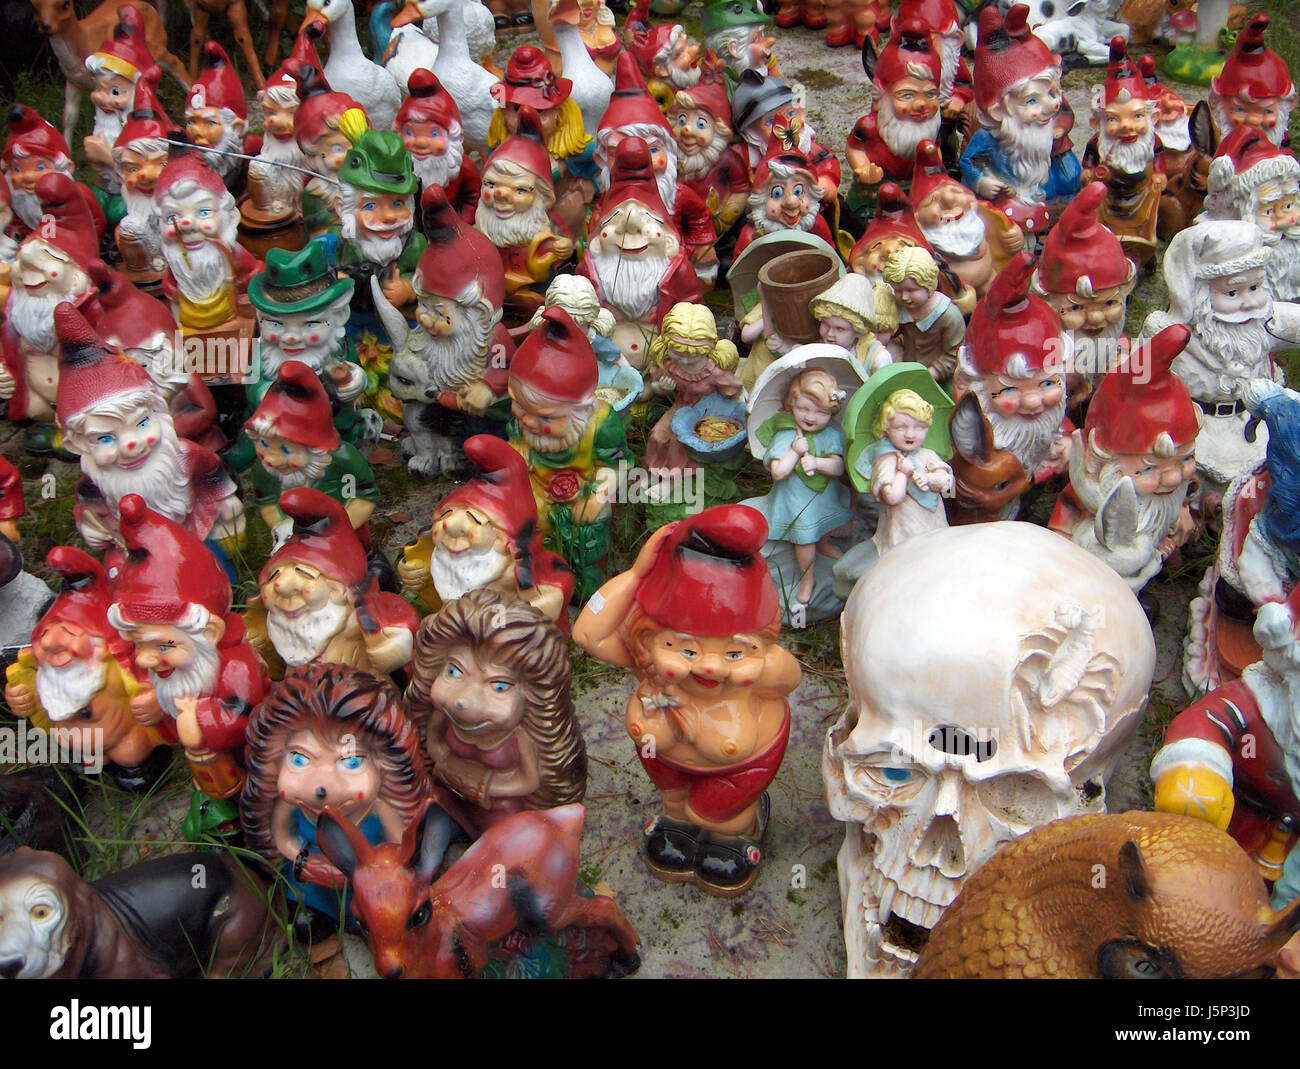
(299, 281)
(379, 162)
(723, 14)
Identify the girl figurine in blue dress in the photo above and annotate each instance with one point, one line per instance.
(805, 455)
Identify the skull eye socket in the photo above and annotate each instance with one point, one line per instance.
(893, 782)
(1019, 801)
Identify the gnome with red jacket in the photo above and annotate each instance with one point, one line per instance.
(171, 598)
(321, 601)
(216, 113)
(32, 150)
(485, 535)
(1132, 464)
(429, 122)
(784, 194)
(709, 161)
(140, 153)
(1254, 87)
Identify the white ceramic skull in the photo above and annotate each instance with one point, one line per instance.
(997, 672)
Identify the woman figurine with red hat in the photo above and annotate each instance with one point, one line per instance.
(697, 619)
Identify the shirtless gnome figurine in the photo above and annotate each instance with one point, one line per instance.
(696, 619)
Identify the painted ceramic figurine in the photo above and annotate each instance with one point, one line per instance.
(216, 113)
(489, 696)
(636, 257)
(696, 619)
(596, 25)
(845, 21)
(1132, 463)
(755, 105)
(32, 150)
(891, 228)
(1255, 87)
(1086, 278)
(667, 55)
(316, 125)
(739, 33)
(78, 678)
(485, 536)
(944, 20)
(429, 124)
(328, 735)
(1185, 896)
(931, 330)
(1007, 427)
(1251, 178)
(172, 600)
(139, 155)
(348, 69)
(785, 193)
(1046, 665)
(1010, 161)
(708, 160)
(854, 314)
(450, 370)
(276, 178)
(23, 597)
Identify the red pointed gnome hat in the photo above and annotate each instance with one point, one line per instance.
(129, 316)
(1122, 75)
(147, 118)
(304, 52)
(710, 96)
(90, 370)
(632, 177)
(83, 600)
(526, 147)
(1010, 322)
(126, 53)
(1007, 54)
(556, 359)
(894, 216)
(74, 227)
(939, 16)
(457, 255)
(1253, 70)
(1247, 157)
(530, 79)
(631, 103)
(1142, 399)
(782, 147)
(499, 488)
(1081, 256)
(427, 101)
(318, 101)
(218, 85)
(33, 135)
(184, 164)
(710, 577)
(167, 570)
(929, 173)
(909, 44)
(322, 538)
(649, 41)
(299, 408)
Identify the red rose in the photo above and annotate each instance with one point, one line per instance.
(564, 485)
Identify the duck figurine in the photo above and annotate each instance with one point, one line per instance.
(348, 70)
(592, 87)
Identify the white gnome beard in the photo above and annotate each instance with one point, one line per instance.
(27, 207)
(378, 250)
(683, 77)
(1029, 440)
(628, 285)
(65, 691)
(299, 639)
(900, 135)
(1029, 153)
(159, 480)
(949, 59)
(1157, 513)
(957, 238)
(1246, 343)
(314, 356)
(555, 443)
(441, 169)
(32, 317)
(200, 273)
(517, 229)
(197, 679)
(314, 467)
(455, 574)
(140, 206)
(452, 361)
(109, 124)
(1174, 135)
(232, 141)
(1128, 159)
(1283, 267)
(693, 165)
(765, 224)
(1096, 354)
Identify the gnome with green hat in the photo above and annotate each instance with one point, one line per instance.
(739, 33)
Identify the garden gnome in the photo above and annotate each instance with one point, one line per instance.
(785, 194)
(216, 113)
(1007, 431)
(666, 55)
(635, 256)
(892, 227)
(709, 162)
(738, 33)
(32, 150)
(1086, 278)
(1218, 286)
(11, 501)
(119, 422)
(139, 155)
(1251, 178)
(1018, 94)
(1254, 88)
(1132, 463)
(485, 536)
(904, 112)
(429, 124)
(572, 441)
(171, 599)
(755, 105)
(276, 177)
(317, 124)
(81, 676)
(973, 239)
(321, 601)
(930, 327)
(1171, 120)
(696, 619)
(514, 210)
(943, 21)
(116, 66)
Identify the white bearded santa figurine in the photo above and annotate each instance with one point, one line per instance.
(1085, 276)
(207, 273)
(1132, 463)
(171, 598)
(1009, 161)
(139, 155)
(1254, 88)
(1008, 428)
(632, 112)
(430, 125)
(1216, 272)
(321, 601)
(33, 149)
(216, 113)
(635, 256)
(274, 186)
(120, 424)
(1251, 178)
(49, 270)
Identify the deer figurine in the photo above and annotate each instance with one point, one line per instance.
(74, 39)
(519, 877)
(236, 11)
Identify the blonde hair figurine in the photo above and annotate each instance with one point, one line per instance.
(860, 316)
(931, 328)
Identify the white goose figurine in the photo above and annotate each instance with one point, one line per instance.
(468, 83)
(348, 70)
(592, 87)
(409, 49)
